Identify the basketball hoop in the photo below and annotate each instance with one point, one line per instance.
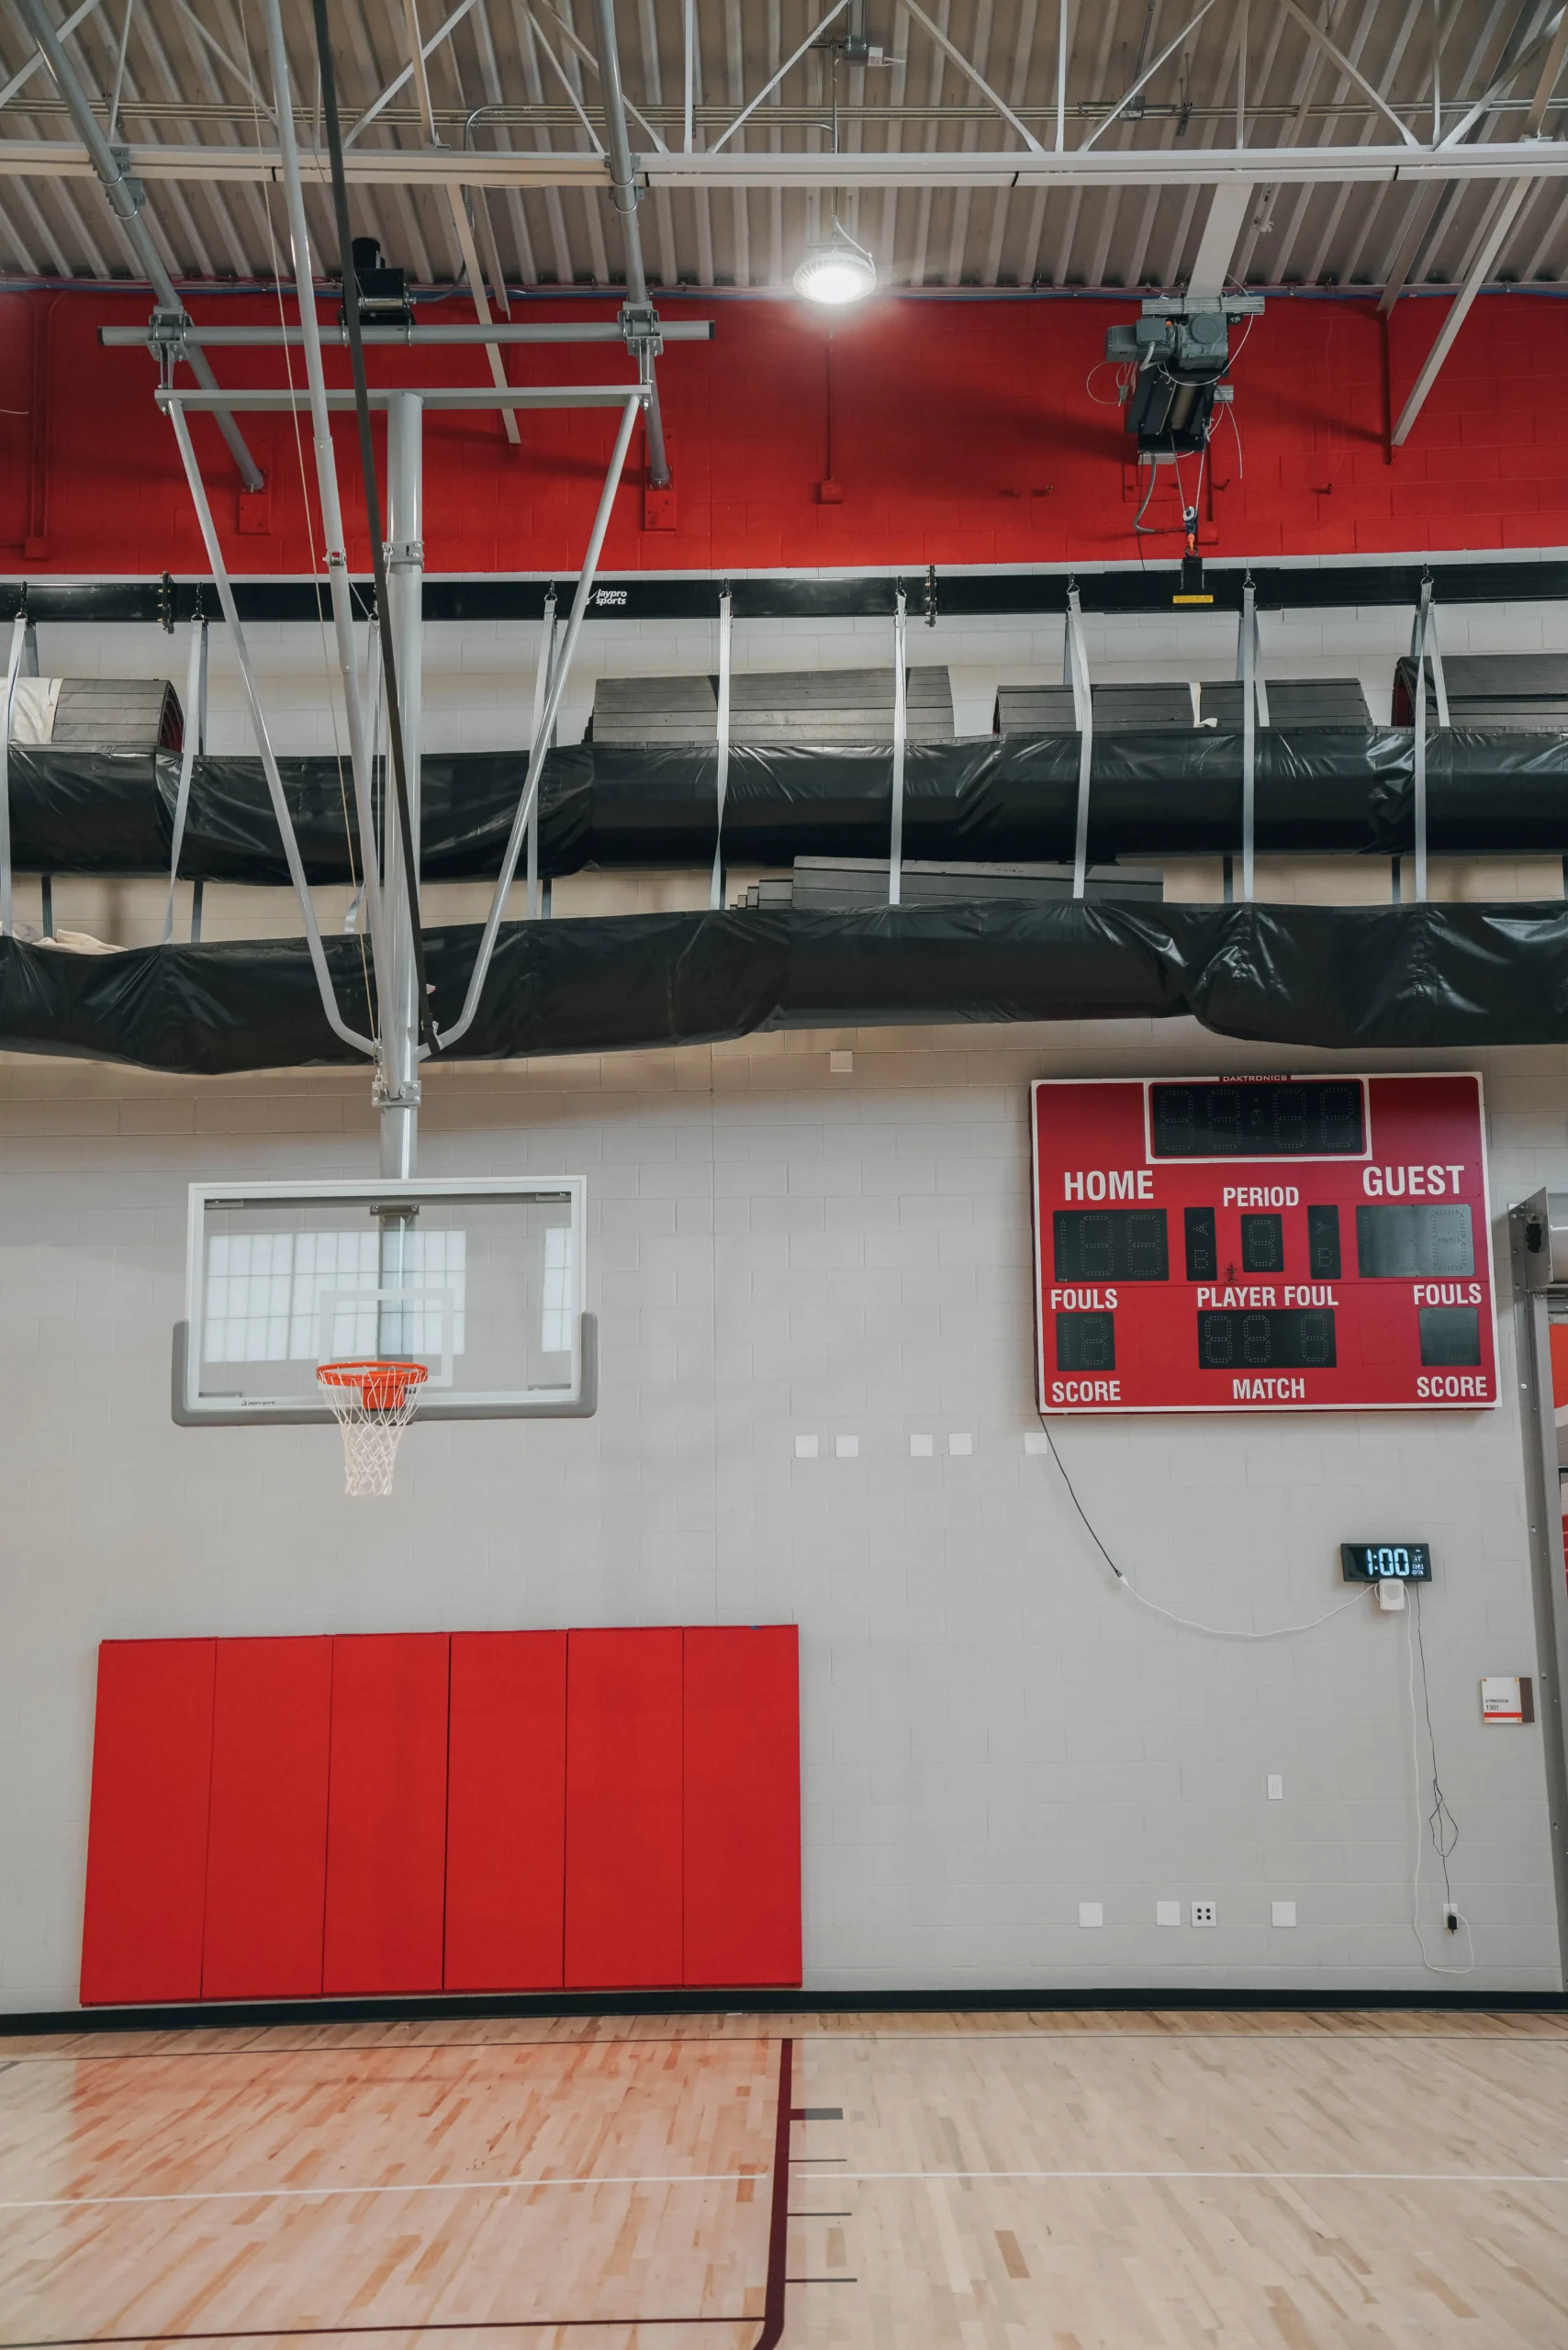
(372, 1404)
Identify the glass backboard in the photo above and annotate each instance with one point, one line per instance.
(480, 1281)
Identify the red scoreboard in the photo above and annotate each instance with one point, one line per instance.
(1262, 1244)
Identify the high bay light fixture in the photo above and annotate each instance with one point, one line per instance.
(836, 272)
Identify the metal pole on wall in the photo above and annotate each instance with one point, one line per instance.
(901, 738)
(1249, 736)
(542, 675)
(722, 784)
(397, 1084)
(1075, 660)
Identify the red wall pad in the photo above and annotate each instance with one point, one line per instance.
(267, 1854)
(386, 1814)
(741, 1836)
(623, 1802)
(506, 1811)
(147, 1830)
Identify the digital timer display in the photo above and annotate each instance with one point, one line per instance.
(1275, 1244)
(1385, 1561)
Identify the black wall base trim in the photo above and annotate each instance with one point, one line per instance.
(219, 2015)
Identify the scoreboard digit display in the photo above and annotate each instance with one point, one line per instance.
(1257, 1244)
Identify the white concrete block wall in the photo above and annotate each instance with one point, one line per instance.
(994, 1732)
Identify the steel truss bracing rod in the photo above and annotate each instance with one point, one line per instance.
(460, 395)
(623, 196)
(264, 741)
(542, 732)
(124, 200)
(401, 337)
(332, 505)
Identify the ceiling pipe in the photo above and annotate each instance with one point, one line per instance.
(638, 317)
(125, 198)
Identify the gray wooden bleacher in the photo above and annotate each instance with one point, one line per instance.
(1510, 689)
(788, 706)
(1292, 703)
(849, 884)
(116, 714)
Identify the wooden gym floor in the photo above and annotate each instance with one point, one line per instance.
(1017, 2182)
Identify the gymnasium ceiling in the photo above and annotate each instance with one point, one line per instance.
(1277, 78)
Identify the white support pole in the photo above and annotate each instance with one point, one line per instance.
(541, 688)
(1424, 651)
(196, 697)
(1076, 657)
(335, 1020)
(19, 631)
(1249, 737)
(326, 485)
(901, 740)
(562, 670)
(397, 1090)
(722, 778)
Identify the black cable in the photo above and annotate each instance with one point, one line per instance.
(372, 511)
(1440, 1821)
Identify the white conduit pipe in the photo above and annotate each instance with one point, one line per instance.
(327, 484)
(530, 904)
(1075, 660)
(195, 674)
(722, 783)
(263, 743)
(1249, 737)
(13, 671)
(901, 739)
(562, 671)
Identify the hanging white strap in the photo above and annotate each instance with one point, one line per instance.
(722, 784)
(195, 677)
(19, 633)
(1423, 652)
(1075, 662)
(901, 737)
(541, 690)
(1249, 737)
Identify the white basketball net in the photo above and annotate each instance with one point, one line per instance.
(372, 1428)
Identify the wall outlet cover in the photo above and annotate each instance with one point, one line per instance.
(1276, 1787)
(1091, 1913)
(960, 1446)
(1036, 1444)
(841, 1064)
(846, 1448)
(921, 1447)
(805, 1448)
(1168, 1913)
(1284, 1913)
(1204, 1914)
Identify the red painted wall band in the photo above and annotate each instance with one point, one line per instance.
(962, 434)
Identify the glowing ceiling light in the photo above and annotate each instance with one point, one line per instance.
(836, 273)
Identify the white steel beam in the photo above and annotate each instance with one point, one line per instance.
(1228, 208)
(418, 168)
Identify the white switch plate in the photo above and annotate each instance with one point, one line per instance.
(1036, 1444)
(1168, 1913)
(847, 1448)
(1203, 1913)
(1276, 1787)
(921, 1447)
(805, 1448)
(1284, 1913)
(959, 1445)
(1091, 1913)
(841, 1064)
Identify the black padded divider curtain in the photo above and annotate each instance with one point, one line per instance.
(993, 800)
(1410, 977)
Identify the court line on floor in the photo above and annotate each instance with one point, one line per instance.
(333, 2333)
(1556, 2040)
(1240, 2177)
(412, 2187)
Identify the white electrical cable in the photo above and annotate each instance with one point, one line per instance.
(1430, 1964)
(1188, 1623)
